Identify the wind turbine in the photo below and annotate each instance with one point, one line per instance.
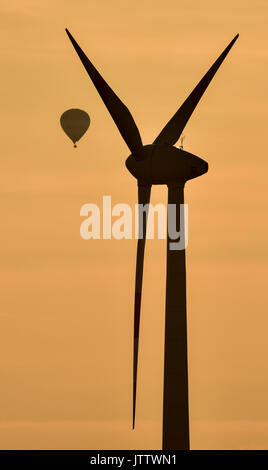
(162, 163)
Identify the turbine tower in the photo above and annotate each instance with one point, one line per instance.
(162, 163)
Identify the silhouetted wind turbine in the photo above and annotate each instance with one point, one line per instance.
(162, 163)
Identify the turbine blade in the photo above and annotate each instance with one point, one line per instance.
(173, 129)
(119, 112)
(144, 193)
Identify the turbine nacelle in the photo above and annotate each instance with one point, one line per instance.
(165, 164)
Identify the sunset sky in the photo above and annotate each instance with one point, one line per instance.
(66, 304)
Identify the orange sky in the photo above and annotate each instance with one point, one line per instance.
(66, 305)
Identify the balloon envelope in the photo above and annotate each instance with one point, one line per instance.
(75, 122)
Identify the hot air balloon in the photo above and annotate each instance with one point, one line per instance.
(75, 122)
